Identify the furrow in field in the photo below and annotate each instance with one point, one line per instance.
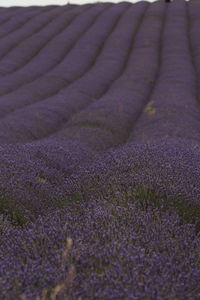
(48, 115)
(59, 76)
(14, 38)
(17, 21)
(112, 115)
(51, 53)
(6, 14)
(173, 109)
(28, 49)
(7, 17)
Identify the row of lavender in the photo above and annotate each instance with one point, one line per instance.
(108, 87)
(101, 249)
(100, 113)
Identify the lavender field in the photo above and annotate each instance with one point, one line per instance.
(100, 151)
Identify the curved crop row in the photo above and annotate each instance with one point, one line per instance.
(8, 14)
(50, 54)
(28, 48)
(16, 21)
(32, 26)
(173, 110)
(119, 107)
(55, 79)
(108, 65)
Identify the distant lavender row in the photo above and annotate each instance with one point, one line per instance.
(55, 32)
(17, 56)
(173, 108)
(115, 112)
(54, 80)
(8, 14)
(14, 38)
(18, 20)
(109, 64)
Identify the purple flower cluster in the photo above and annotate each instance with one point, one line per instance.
(119, 251)
(100, 151)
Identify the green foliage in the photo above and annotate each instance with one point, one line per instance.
(41, 179)
(76, 197)
(97, 266)
(17, 218)
(3, 202)
(187, 212)
(146, 197)
(149, 108)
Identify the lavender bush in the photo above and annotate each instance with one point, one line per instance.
(100, 151)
